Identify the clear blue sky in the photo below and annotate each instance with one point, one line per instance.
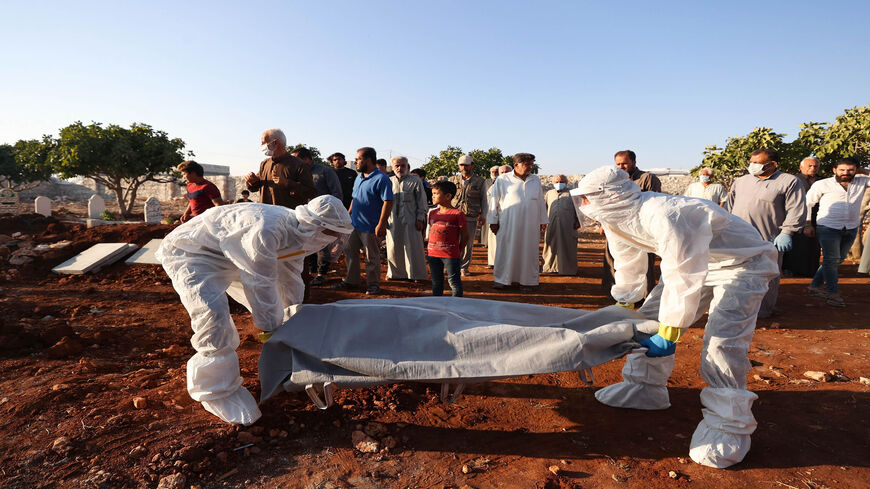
(571, 82)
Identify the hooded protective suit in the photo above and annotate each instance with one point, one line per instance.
(262, 247)
(710, 259)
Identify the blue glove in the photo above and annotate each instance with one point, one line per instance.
(782, 242)
(658, 346)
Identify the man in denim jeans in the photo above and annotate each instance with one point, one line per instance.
(835, 224)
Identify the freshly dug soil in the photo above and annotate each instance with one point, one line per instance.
(92, 394)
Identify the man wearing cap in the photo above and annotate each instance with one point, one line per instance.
(470, 199)
(517, 216)
(406, 255)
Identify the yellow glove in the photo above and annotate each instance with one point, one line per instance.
(264, 336)
(670, 333)
(627, 305)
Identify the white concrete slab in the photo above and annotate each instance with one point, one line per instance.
(145, 255)
(94, 258)
(42, 206)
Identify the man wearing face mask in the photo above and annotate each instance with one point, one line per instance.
(470, 198)
(803, 259)
(704, 188)
(774, 203)
(560, 238)
(282, 179)
(254, 253)
(406, 256)
(711, 261)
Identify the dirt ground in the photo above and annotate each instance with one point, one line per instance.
(75, 351)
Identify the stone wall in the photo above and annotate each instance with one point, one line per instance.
(232, 186)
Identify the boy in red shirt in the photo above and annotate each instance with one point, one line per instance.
(448, 235)
(201, 194)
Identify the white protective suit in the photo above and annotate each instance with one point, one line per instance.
(710, 259)
(263, 247)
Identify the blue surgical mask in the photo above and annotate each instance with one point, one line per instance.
(561, 186)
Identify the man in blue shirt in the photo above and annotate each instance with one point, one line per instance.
(371, 206)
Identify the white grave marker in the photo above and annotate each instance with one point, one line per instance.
(43, 206)
(153, 212)
(8, 201)
(96, 206)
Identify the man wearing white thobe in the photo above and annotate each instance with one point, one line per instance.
(517, 216)
(406, 257)
(490, 238)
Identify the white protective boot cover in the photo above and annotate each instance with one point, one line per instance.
(238, 408)
(722, 437)
(645, 385)
(214, 380)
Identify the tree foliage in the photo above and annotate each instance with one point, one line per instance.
(446, 162)
(25, 164)
(848, 136)
(316, 157)
(119, 158)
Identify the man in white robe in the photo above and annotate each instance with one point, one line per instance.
(406, 257)
(560, 239)
(490, 236)
(517, 216)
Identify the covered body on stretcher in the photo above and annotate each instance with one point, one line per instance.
(451, 340)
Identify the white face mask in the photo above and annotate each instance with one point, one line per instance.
(756, 169)
(265, 149)
(561, 186)
(704, 178)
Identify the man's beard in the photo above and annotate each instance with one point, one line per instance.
(844, 178)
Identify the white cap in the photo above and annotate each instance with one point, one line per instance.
(327, 212)
(466, 160)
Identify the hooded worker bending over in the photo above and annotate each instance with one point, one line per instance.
(710, 260)
(263, 247)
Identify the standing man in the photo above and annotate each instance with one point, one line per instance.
(346, 177)
(406, 256)
(704, 188)
(560, 238)
(803, 258)
(470, 199)
(371, 207)
(711, 261)
(773, 202)
(484, 231)
(326, 182)
(626, 160)
(201, 194)
(836, 224)
(491, 243)
(282, 179)
(517, 216)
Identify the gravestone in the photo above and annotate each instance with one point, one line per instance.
(96, 206)
(153, 212)
(43, 206)
(8, 201)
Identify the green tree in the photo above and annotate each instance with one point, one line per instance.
(848, 136)
(25, 164)
(119, 158)
(446, 162)
(315, 153)
(732, 160)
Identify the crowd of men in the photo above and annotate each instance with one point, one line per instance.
(510, 213)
